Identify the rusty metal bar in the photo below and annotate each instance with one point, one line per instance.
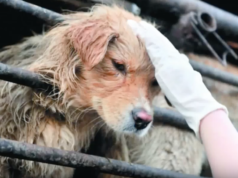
(215, 74)
(226, 22)
(194, 29)
(14, 149)
(23, 77)
(170, 117)
(46, 15)
(52, 17)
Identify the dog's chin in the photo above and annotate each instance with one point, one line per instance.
(139, 133)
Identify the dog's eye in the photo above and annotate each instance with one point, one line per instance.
(154, 83)
(120, 67)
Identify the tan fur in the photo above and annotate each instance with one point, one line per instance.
(76, 57)
(172, 149)
(164, 147)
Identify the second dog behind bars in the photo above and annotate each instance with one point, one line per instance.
(106, 85)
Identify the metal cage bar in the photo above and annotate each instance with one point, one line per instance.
(226, 21)
(22, 77)
(214, 73)
(170, 117)
(14, 149)
(46, 15)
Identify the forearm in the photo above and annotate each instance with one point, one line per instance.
(220, 140)
(186, 91)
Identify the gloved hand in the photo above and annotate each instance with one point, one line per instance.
(180, 83)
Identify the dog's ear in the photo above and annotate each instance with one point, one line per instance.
(91, 39)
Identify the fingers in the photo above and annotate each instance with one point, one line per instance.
(144, 27)
(137, 28)
(150, 35)
(134, 26)
(149, 28)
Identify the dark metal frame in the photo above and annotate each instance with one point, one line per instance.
(22, 77)
(26, 151)
(226, 21)
(46, 15)
(14, 149)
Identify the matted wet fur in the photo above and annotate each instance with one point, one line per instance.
(79, 57)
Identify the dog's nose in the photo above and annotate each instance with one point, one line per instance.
(141, 117)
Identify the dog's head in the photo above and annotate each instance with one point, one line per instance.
(106, 68)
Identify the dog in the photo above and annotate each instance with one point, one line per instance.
(106, 85)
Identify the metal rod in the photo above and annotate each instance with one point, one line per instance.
(204, 40)
(23, 77)
(14, 149)
(226, 45)
(46, 15)
(208, 24)
(227, 22)
(215, 74)
(170, 117)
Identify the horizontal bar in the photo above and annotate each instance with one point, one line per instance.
(46, 15)
(23, 77)
(52, 17)
(170, 117)
(214, 73)
(14, 149)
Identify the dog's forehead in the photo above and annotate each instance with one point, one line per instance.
(134, 51)
(131, 51)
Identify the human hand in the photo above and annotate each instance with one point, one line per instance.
(181, 84)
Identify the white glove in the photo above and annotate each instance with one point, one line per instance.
(180, 83)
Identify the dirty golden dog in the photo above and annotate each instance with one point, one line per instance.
(106, 83)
